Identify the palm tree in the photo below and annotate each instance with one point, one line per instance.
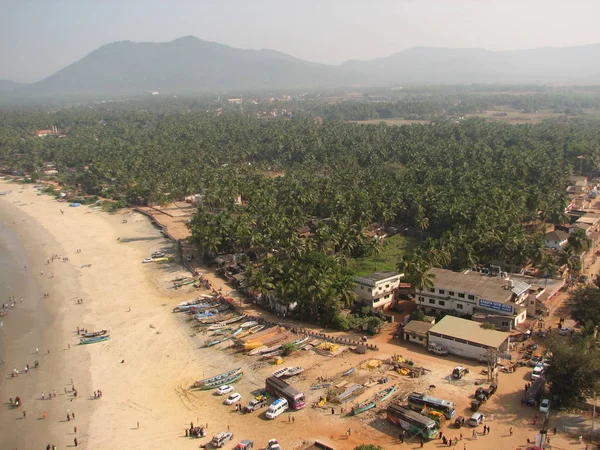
(548, 267)
(579, 241)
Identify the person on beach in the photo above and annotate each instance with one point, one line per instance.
(44, 415)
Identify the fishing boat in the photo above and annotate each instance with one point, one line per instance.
(292, 371)
(225, 323)
(254, 329)
(257, 351)
(210, 382)
(273, 349)
(210, 343)
(280, 372)
(320, 386)
(221, 331)
(93, 340)
(229, 380)
(249, 324)
(94, 334)
(213, 320)
(348, 372)
(204, 314)
(381, 396)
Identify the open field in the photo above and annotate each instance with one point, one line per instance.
(507, 115)
(393, 248)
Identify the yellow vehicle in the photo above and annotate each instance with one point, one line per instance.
(160, 259)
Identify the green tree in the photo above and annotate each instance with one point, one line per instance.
(585, 305)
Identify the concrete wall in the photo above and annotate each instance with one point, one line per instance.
(463, 349)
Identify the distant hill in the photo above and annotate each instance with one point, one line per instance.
(8, 85)
(186, 64)
(190, 65)
(472, 65)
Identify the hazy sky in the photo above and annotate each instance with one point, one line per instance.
(39, 37)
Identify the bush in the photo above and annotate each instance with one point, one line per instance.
(340, 322)
(288, 348)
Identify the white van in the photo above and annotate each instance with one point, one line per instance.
(277, 408)
(537, 372)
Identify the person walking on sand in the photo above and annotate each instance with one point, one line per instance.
(44, 415)
(510, 431)
(75, 429)
(24, 414)
(138, 425)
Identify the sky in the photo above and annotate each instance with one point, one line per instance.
(39, 37)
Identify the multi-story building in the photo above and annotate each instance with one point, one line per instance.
(468, 293)
(377, 290)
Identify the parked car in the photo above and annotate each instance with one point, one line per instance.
(481, 393)
(245, 445)
(475, 404)
(273, 445)
(493, 388)
(459, 421)
(147, 260)
(233, 398)
(221, 439)
(564, 331)
(158, 254)
(545, 406)
(459, 372)
(224, 390)
(537, 372)
(476, 419)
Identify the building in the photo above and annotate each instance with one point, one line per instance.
(377, 290)
(42, 133)
(416, 331)
(466, 338)
(556, 239)
(468, 293)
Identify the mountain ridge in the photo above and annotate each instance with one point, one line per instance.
(189, 64)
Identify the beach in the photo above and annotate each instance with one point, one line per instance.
(139, 370)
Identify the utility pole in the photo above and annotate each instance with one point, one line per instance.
(593, 416)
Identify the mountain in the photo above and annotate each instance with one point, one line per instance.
(191, 65)
(8, 85)
(184, 65)
(472, 65)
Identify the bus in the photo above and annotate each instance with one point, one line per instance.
(417, 402)
(280, 388)
(412, 421)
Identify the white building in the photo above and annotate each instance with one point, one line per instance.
(467, 293)
(377, 290)
(556, 239)
(466, 338)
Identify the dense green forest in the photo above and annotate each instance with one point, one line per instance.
(466, 190)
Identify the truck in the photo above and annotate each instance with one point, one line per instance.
(280, 388)
(535, 391)
(260, 401)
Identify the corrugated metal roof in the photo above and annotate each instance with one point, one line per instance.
(519, 287)
(470, 331)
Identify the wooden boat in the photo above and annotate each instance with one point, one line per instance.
(257, 350)
(258, 334)
(381, 396)
(213, 320)
(271, 355)
(94, 334)
(221, 331)
(210, 343)
(348, 372)
(249, 324)
(216, 379)
(292, 371)
(254, 329)
(320, 386)
(93, 340)
(280, 372)
(229, 380)
(274, 348)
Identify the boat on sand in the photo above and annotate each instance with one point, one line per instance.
(228, 377)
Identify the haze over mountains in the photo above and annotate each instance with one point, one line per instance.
(190, 64)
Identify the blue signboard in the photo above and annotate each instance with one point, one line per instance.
(503, 307)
